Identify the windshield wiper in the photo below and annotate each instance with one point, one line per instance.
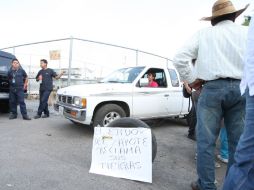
(113, 81)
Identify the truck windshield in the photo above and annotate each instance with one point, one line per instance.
(124, 75)
(5, 64)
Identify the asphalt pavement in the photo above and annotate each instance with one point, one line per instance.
(55, 154)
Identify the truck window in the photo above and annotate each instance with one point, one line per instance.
(174, 78)
(160, 77)
(5, 64)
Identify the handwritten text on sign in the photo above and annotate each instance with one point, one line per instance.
(122, 152)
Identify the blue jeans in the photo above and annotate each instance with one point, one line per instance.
(219, 99)
(241, 174)
(17, 96)
(223, 143)
(43, 107)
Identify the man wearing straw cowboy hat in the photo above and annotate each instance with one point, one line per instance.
(218, 51)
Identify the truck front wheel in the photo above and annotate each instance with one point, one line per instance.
(108, 113)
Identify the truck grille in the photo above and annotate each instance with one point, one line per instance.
(4, 84)
(65, 99)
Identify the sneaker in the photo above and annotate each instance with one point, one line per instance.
(224, 160)
(194, 185)
(37, 117)
(44, 116)
(25, 117)
(217, 165)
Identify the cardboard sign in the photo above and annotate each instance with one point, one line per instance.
(122, 152)
(55, 55)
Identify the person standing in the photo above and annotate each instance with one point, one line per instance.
(241, 173)
(223, 155)
(218, 51)
(188, 92)
(45, 76)
(193, 116)
(18, 81)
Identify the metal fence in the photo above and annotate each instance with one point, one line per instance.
(84, 61)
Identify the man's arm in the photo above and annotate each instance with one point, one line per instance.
(59, 76)
(26, 83)
(184, 57)
(187, 87)
(25, 79)
(37, 76)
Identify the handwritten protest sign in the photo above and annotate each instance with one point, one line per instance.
(122, 152)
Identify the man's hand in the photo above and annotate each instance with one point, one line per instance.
(187, 87)
(25, 86)
(59, 76)
(197, 84)
(40, 77)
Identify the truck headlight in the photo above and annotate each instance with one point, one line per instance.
(78, 101)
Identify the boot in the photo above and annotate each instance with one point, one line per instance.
(12, 116)
(25, 117)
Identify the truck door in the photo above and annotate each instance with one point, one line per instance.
(175, 98)
(151, 102)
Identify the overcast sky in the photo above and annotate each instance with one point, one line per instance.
(157, 26)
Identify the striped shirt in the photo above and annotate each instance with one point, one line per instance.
(219, 51)
(248, 75)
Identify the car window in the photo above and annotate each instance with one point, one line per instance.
(174, 78)
(5, 64)
(160, 77)
(124, 75)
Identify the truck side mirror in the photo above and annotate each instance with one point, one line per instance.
(143, 82)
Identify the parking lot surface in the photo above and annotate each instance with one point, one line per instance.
(55, 154)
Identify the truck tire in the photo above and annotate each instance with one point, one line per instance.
(4, 106)
(108, 113)
(131, 122)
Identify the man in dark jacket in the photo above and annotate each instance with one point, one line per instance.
(18, 82)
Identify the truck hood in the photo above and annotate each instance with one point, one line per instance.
(95, 89)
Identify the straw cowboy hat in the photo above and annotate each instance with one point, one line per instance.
(223, 7)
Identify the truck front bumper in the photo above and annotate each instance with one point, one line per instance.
(70, 112)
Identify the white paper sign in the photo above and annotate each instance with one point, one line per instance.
(122, 152)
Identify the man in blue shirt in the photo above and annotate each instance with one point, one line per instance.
(18, 82)
(45, 76)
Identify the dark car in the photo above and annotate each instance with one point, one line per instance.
(5, 64)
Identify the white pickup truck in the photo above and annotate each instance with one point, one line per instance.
(124, 93)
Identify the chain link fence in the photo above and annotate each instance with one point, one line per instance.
(84, 61)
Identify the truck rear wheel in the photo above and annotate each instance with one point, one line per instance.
(131, 122)
(108, 113)
(4, 106)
